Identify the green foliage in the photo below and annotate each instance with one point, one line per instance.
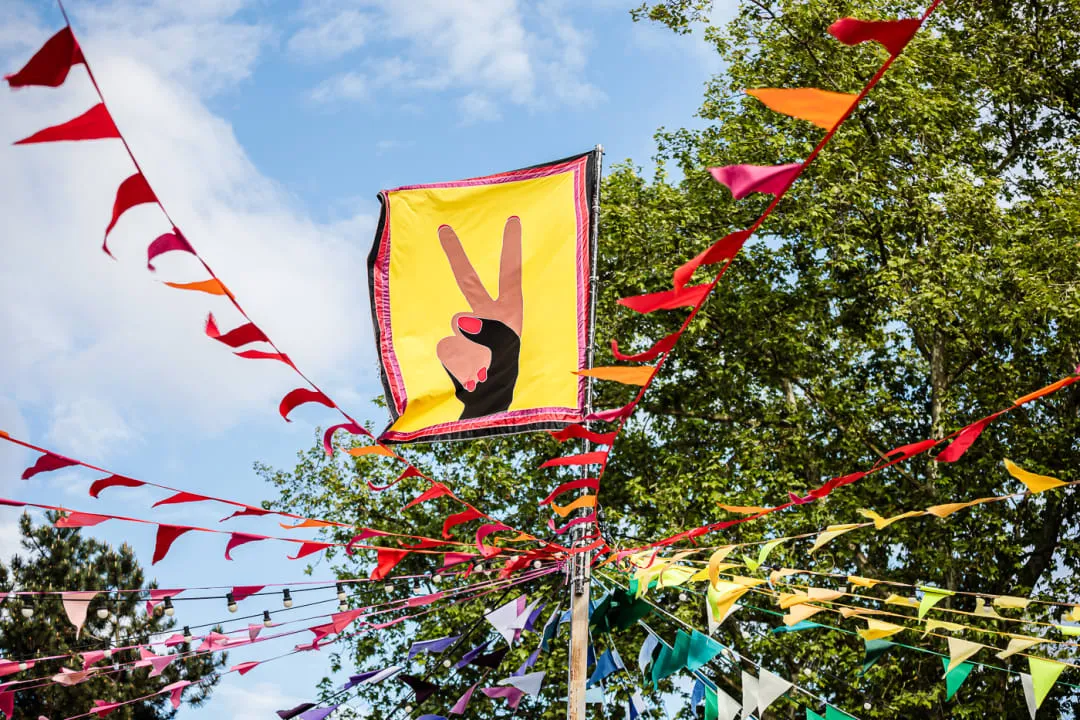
(921, 275)
(57, 558)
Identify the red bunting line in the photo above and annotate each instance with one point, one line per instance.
(726, 249)
(50, 67)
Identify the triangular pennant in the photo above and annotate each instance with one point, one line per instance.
(875, 650)
(959, 651)
(770, 688)
(1019, 644)
(1044, 673)
(749, 694)
(931, 597)
(1034, 483)
(821, 107)
(955, 677)
(742, 180)
(1029, 694)
(894, 35)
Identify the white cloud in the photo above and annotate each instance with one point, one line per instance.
(346, 86)
(102, 347)
(492, 52)
(329, 37)
(254, 703)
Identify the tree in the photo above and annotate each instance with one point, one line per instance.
(923, 274)
(61, 558)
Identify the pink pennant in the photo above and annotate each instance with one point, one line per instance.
(102, 708)
(388, 558)
(81, 519)
(113, 481)
(422, 600)
(169, 242)
(964, 440)
(166, 536)
(365, 534)
(174, 640)
(237, 539)
(590, 458)
(181, 497)
(175, 691)
(302, 396)
(157, 662)
(76, 604)
(158, 595)
(309, 548)
(94, 124)
(456, 558)
(721, 251)
(50, 65)
(463, 701)
(660, 347)
(388, 623)
(894, 35)
(668, 299)
(243, 592)
(511, 694)
(351, 427)
(613, 414)
(245, 667)
(69, 677)
(242, 335)
(483, 532)
(573, 523)
(92, 657)
(742, 180)
(47, 463)
(133, 191)
(437, 490)
(580, 432)
(10, 667)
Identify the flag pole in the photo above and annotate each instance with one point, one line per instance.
(581, 563)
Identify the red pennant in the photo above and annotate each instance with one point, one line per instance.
(246, 333)
(580, 432)
(166, 536)
(668, 299)
(893, 34)
(81, 519)
(133, 191)
(181, 497)
(169, 242)
(7, 702)
(388, 558)
(328, 436)
(302, 396)
(614, 414)
(483, 532)
(243, 592)
(364, 535)
(591, 517)
(591, 483)
(461, 517)
(248, 510)
(436, 491)
(50, 65)
(590, 458)
(408, 472)
(94, 124)
(245, 667)
(47, 463)
(113, 481)
(263, 355)
(722, 250)
(910, 450)
(310, 547)
(836, 482)
(237, 539)
(659, 347)
(963, 440)
(456, 558)
(102, 708)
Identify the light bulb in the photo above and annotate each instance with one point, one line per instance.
(169, 609)
(341, 593)
(267, 622)
(866, 706)
(436, 578)
(446, 664)
(408, 709)
(389, 588)
(103, 613)
(342, 607)
(286, 598)
(27, 611)
(537, 564)
(683, 597)
(23, 666)
(231, 601)
(108, 652)
(188, 637)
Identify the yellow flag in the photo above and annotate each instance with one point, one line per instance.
(700, 576)
(1073, 615)
(1034, 483)
(931, 597)
(959, 651)
(788, 600)
(675, 576)
(984, 610)
(714, 563)
(861, 581)
(801, 612)
(878, 629)
(824, 594)
(747, 582)
(848, 612)
(777, 575)
(881, 523)
(832, 532)
(1019, 643)
(895, 599)
(1013, 603)
(743, 509)
(580, 502)
(932, 625)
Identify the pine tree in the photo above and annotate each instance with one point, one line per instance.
(62, 559)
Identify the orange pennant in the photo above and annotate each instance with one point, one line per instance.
(821, 107)
(212, 286)
(744, 509)
(1052, 387)
(371, 450)
(623, 374)
(583, 501)
(309, 524)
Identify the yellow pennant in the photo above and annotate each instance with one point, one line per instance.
(1013, 603)
(583, 501)
(849, 612)
(743, 509)
(944, 511)
(932, 625)
(714, 563)
(984, 610)
(878, 629)
(931, 597)
(824, 594)
(777, 575)
(801, 612)
(832, 532)
(959, 651)
(1034, 483)
(861, 581)
(895, 599)
(626, 375)
(789, 600)
(1019, 643)
(881, 523)
(675, 576)
(1073, 615)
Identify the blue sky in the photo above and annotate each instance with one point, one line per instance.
(267, 128)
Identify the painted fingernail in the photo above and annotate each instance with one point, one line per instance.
(481, 374)
(470, 325)
(470, 385)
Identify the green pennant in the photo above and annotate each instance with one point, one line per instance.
(712, 705)
(627, 611)
(955, 677)
(680, 655)
(702, 649)
(599, 614)
(633, 586)
(662, 661)
(832, 713)
(811, 715)
(875, 649)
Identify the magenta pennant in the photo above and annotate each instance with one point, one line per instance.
(47, 463)
(94, 124)
(483, 532)
(591, 517)
(175, 690)
(742, 180)
(894, 35)
(50, 65)
(463, 701)
(133, 191)
(169, 242)
(612, 415)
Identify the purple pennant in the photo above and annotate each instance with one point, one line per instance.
(318, 713)
(463, 701)
(492, 660)
(432, 646)
(429, 716)
(529, 662)
(511, 694)
(289, 714)
(472, 655)
(530, 624)
(420, 687)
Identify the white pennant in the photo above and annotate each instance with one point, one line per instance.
(528, 684)
(770, 687)
(749, 694)
(729, 708)
(1029, 694)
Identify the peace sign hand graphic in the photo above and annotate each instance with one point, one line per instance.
(481, 357)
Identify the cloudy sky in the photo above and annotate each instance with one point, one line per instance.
(267, 128)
